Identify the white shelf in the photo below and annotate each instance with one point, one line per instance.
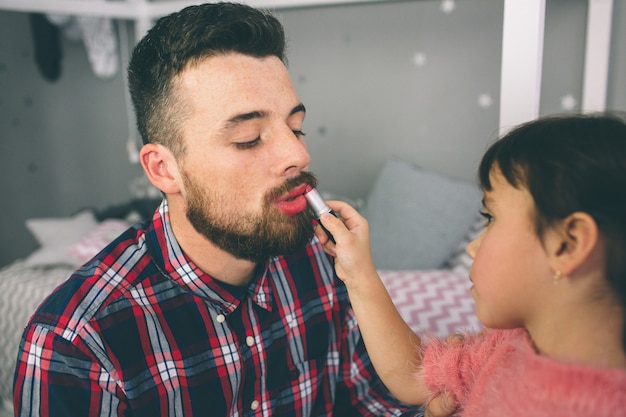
(139, 9)
(142, 12)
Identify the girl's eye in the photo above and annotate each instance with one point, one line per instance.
(248, 145)
(299, 133)
(488, 217)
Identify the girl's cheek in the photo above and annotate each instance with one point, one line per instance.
(485, 258)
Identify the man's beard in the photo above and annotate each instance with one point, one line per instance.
(252, 237)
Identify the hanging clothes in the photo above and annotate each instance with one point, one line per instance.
(47, 46)
(98, 36)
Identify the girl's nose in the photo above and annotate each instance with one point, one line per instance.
(473, 246)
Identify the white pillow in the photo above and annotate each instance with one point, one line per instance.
(417, 217)
(103, 234)
(55, 235)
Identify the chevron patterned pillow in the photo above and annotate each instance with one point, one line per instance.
(434, 302)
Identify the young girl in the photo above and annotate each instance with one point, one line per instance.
(549, 282)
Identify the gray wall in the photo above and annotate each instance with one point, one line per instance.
(356, 70)
(404, 79)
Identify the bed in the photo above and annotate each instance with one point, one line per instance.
(420, 222)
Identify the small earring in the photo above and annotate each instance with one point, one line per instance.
(556, 277)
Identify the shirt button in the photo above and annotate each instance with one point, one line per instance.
(221, 318)
(250, 341)
(254, 405)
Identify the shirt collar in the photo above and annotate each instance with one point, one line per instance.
(173, 263)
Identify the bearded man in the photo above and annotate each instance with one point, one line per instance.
(224, 303)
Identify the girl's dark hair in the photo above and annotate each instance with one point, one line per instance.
(184, 38)
(571, 164)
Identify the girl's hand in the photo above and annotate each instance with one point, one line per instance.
(352, 252)
(443, 405)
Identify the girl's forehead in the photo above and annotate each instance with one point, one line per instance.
(502, 192)
(497, 178)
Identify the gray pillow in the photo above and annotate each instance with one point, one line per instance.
(417, 218)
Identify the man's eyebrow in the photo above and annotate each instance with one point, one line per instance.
(299, 108)
(240, 118)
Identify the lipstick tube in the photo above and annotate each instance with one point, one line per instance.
(319, 207)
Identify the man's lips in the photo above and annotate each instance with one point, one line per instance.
(294, 202)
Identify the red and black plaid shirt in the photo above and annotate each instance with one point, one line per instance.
(141, 331)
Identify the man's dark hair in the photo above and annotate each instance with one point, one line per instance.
(184, 38)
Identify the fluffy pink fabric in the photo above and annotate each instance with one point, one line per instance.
(501, 374)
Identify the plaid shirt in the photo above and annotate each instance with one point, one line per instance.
(141, 331)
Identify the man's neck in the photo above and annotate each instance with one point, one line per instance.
(211, 259)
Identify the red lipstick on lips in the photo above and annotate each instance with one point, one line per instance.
(294, 202)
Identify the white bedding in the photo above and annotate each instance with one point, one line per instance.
(22, 289)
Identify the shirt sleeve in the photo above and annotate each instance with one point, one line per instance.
(362, 393)
(54, 378)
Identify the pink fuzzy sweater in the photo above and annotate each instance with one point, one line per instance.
(502, 375)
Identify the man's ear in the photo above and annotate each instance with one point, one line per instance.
(161, 167)
(573, 242)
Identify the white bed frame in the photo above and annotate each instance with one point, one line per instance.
(522, 42)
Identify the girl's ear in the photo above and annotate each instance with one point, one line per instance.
(574, 242)
(161, 167)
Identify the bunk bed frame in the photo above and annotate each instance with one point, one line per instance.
(522, 42)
